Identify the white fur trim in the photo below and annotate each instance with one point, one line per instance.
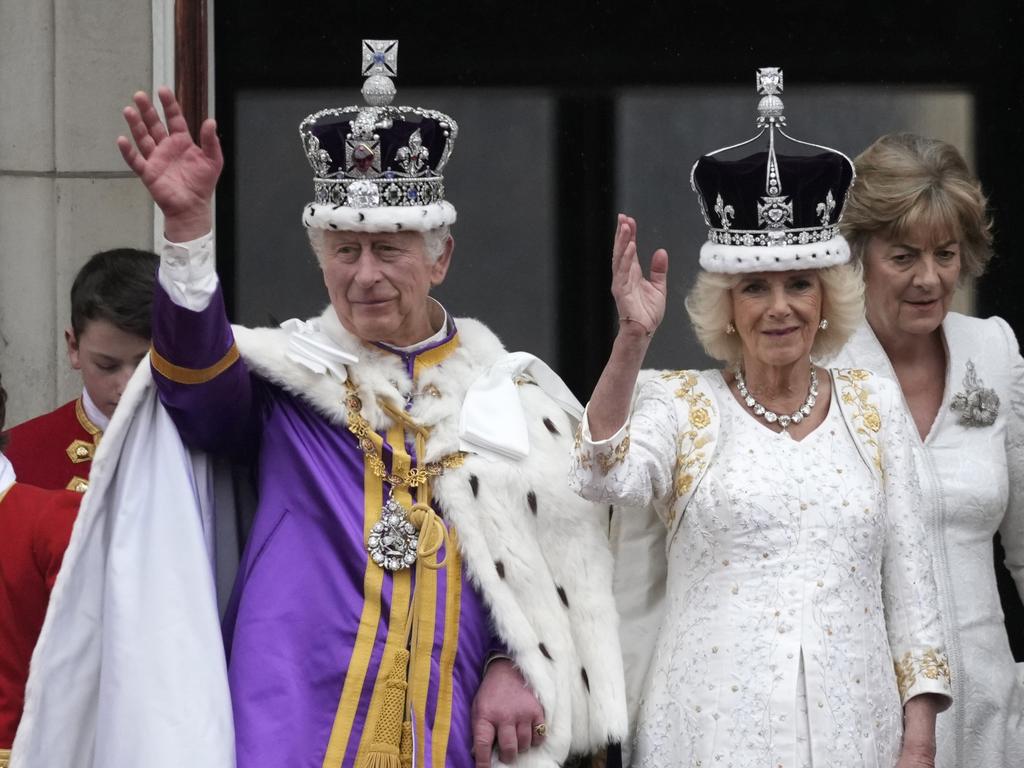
(738, 259)
(386, 218)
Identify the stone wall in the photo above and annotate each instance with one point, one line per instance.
(67, 68)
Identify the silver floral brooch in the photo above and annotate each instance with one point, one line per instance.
(978, 405)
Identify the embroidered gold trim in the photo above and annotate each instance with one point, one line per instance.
(932, 664)
(607, 460)
(585, 458)
(5, 758)
(80, 451)
(84, 420)
(690, 458)
(449, 650)
(77, 484)
(181, 375)
(435, 356)
(867, 420)
(369, 623)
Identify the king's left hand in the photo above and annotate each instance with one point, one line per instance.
(506, 712)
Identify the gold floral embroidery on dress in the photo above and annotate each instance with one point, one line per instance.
(932, 664)
(690, 459)
(606, 460)
(585, 458)
(867, 420)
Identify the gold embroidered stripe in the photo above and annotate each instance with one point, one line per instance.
(181, 375)
(425, 610)
(453, 609)
(5, 757)
(434, 356)
(400, 593)
(84, 420)
(373, 579)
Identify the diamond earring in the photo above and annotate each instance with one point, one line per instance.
(823, 325)
(730, 328)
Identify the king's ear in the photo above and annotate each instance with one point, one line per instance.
(440, 267)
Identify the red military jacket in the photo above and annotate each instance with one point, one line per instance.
(35, 526)
(55, 450)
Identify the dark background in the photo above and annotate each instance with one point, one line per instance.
(584, 52)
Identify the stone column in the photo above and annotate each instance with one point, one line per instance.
(67, 68)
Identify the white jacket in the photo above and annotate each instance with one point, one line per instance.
(972, 481)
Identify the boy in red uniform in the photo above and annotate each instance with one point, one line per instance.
(111, 302)
(35, 526)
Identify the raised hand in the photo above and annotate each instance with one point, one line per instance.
(640, 301)
(180, 175)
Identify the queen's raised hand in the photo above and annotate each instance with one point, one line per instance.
(639, 300)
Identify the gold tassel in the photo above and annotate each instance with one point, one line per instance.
(385, 749)
(407, 744)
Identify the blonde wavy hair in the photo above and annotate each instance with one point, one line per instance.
(709, 305)
(905, 181)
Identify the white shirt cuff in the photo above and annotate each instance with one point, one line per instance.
(188, 272)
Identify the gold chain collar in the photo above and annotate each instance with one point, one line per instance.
(417, 476)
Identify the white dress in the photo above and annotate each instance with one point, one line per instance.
(972, 479)
(795, 578)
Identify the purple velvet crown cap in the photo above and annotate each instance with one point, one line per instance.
(808, 181)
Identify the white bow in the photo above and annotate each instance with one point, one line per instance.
(492, 422)
(312, 348)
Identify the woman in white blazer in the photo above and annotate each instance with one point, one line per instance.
(916, 220)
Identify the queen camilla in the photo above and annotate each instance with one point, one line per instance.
(799, 625)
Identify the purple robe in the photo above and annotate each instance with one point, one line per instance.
(313, 625)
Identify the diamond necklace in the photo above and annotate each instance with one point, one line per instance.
(771, 416)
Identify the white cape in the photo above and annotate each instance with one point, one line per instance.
(136, 585)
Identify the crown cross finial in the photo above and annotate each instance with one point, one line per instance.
(380, 57)
(769, 86)
(380, 64)
(769, 81)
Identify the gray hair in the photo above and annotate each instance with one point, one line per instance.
(709, 305)
(433, 241)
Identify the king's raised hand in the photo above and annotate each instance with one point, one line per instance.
(181, 176)
(640, 301)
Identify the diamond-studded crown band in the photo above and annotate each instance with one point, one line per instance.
(759, 237)
(382, 191)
